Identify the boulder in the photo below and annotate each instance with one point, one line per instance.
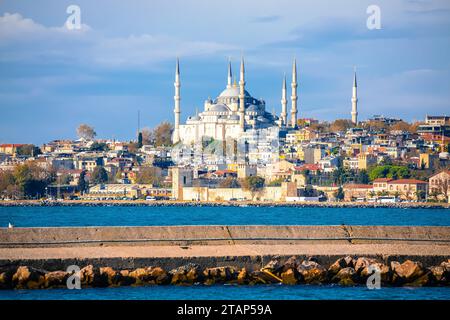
(243, 277)
(423, 280)
(291, 263)
(362, 263)
(187, 274)
(55, 279)
(362, 269)
(274, 266)
(91, 276)
(406, 272)
(149, 275)
(28, 278)
(339, 264)
(260, 277)
(346, 276)
(290, 276)
(6, 278)
(125, 278)
(113, 277)
(220, 274)
(312, 272)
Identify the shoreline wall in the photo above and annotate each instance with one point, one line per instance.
(25, 203)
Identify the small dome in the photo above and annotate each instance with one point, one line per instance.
(252, 108)
(234, 117)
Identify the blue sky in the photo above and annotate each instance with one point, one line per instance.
(123, 59)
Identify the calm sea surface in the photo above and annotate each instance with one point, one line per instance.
(281, 292)
(143, 216)
(148, 216)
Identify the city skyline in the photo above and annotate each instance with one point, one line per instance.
(53, 79)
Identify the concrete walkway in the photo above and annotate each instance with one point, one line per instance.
(222, 251)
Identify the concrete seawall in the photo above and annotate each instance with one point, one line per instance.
(219, 235)
(241, 246)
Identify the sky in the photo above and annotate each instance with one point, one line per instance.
(122, 60)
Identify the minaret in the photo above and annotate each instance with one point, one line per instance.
(283, 114)
(294, 95)
(355, 101)
(230, 75)
(177, 98)
(242, 97)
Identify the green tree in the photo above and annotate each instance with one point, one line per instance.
(99, 175)
(276, 182)
(254, 184)
(31, 179)
(389, 171)
(7, 182)
(339, 194)
(28, 150)
(99, 146)
(82, 183)
(139, 140)
(363, 177)
(229, 182)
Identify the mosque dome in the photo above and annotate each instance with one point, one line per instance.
(219, 108)
(233, 92)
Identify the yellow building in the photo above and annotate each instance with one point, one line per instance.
(366, 160)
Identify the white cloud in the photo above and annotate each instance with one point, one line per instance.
(23, 39)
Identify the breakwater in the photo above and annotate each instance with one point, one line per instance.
(405, 255)
(346, 271)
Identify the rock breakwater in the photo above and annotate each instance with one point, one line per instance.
(346, 271)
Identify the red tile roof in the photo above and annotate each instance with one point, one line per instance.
(308, 166)
(382, 180)
(408, 181)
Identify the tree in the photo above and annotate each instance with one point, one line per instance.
(149, 175)
(340, 125)
(31, 179)
(82, 183)
(339, 194)
(99, 146)
(86, 132)
(229, 182)
(6, 181)
(99, 175)
(362, 177)
(276, 182)
(163, 134)
(139, 140)
(254, 184)
(28, 150)
(389, 171)
(147, 136)
(401, 126)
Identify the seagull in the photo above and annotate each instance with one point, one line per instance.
(10, 226)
